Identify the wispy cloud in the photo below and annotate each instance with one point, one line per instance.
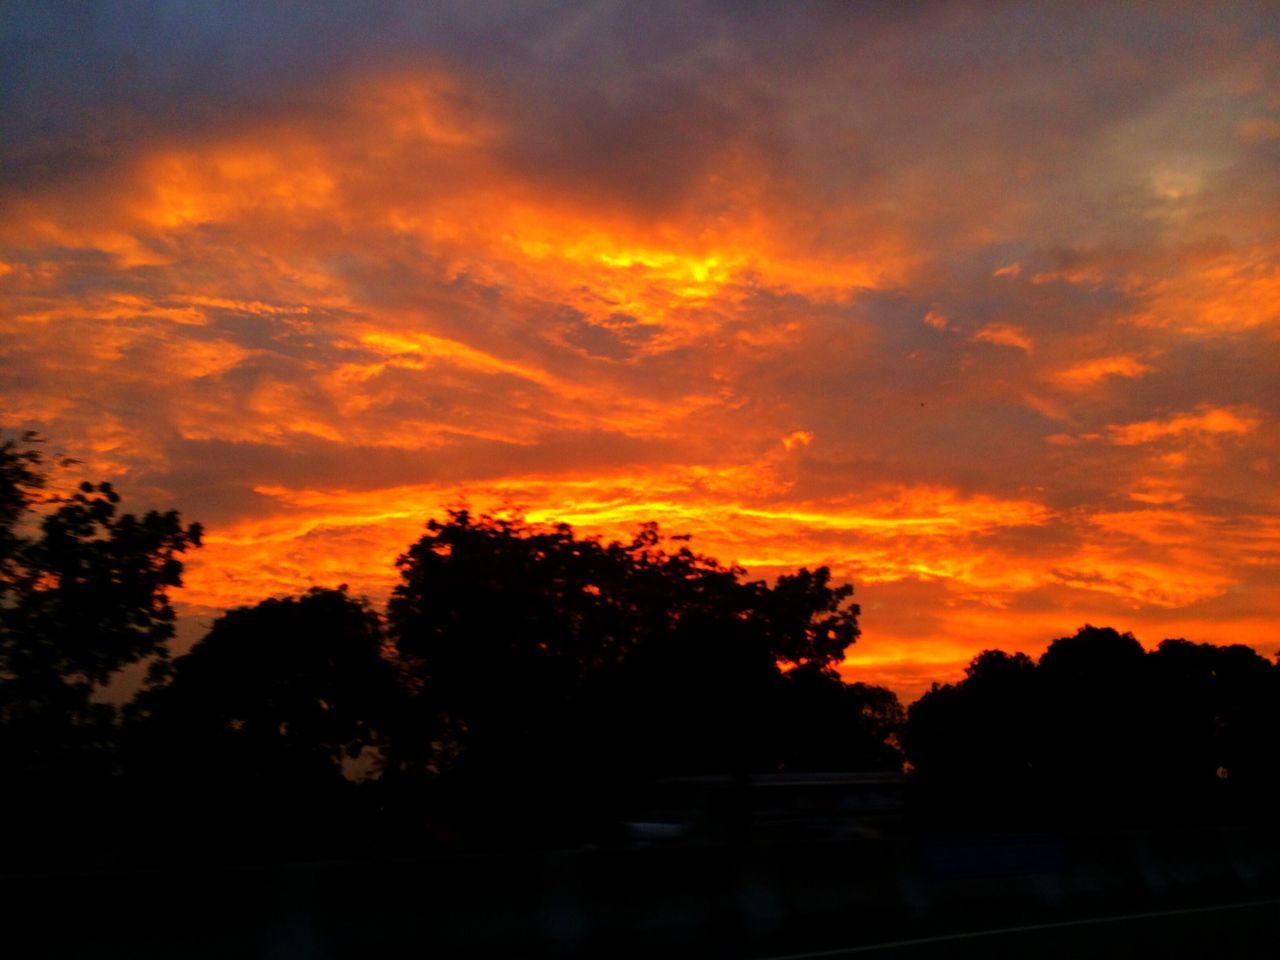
(1207, 421)
(1081, 376)
(1004, 335)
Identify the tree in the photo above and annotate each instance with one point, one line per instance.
(293, 688)
(1100, 730)
(974, 743)
(1214, 711)
(21, 479)
(84, 593)
(567, 660)
(824, 723)
(264, 729)
(1094, 722)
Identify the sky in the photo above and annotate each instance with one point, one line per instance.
(977, 304)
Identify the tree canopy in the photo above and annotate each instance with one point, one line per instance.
(547, 658)
(1100, 729)
(84, 593)
(512, 625)
(289, 684)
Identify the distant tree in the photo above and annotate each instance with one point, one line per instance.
(22, 477)
(1214, 711)
(823, 723)
(1101, 730)
(1093, 655)
(977, 740)
(1018, 739)
(84, 593)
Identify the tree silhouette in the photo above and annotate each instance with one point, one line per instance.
(1062, 737)
(1213, 711)
(85, 595)
(823, 723)
(974, 745)
(1099, 730)
(581, 666)
(294, 685)
(1095, 725)
(263, 725)
(22, 477)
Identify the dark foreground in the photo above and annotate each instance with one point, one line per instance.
(1174, 893)
(1242, 929)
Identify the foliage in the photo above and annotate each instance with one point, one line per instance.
(84, 593)
(590, 665)
(500, 617)
(295, 684)
(1098, 729)
(825, 724)
(590, 603)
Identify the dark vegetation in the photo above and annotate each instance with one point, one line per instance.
(1100, 732)
(523, 686)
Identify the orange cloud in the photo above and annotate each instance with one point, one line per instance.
(1208, 421)
(1004, 335)
(692, 297)
(1232, 291)
(1260, 129)
(355, 535)
(1080, 376)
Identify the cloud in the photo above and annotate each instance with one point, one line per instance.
(800, 438)
(1207, 421)
(313, 277)
(1081, 376)
(1004, 335)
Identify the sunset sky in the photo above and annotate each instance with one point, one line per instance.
(978, 304)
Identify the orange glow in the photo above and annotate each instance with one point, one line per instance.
(1081, 376)
(371, 529)
(1208, 422)
(1005, 335)
(773, 320)
(1238, 291)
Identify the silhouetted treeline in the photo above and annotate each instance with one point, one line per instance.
(522, 687)
(1101, 731)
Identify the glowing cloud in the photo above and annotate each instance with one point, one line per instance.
(1208, 421)
(713, 273)
(1081, 376)
(1004, 335)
